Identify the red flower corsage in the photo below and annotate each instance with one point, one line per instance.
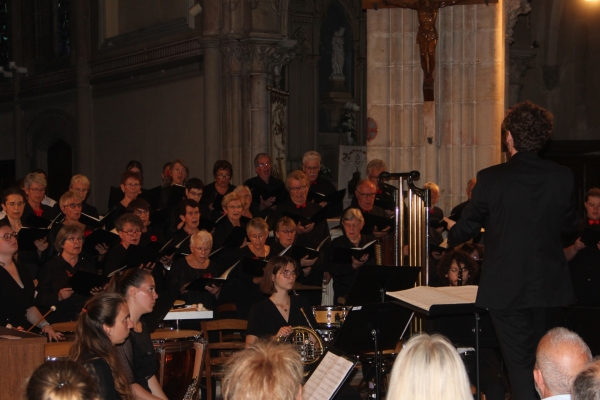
(207, 275)
(87, 233)
(153, 238)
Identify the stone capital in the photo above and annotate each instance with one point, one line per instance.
(232, 50)
(268, 56)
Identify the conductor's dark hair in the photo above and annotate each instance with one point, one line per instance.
(187, 203)
(194, 183)
(135, 164)
(61, 380)
(13, 190)
(123, 280)
(273, 266)
(461, 258)
(593, 192)
(222, 164)
(530, 126)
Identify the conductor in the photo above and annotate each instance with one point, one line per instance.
(524, 206)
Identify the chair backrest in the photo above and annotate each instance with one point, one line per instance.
(228, 330)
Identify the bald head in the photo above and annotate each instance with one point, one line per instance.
(560, 355)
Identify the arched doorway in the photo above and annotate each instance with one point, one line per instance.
(60, 168)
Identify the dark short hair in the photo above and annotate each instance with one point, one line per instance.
(461, 258)
(259, 155)
(128, 218)
(13, 190)
(130, 174)
(187, 203)
(273, 266)
(138, 204)
(194, 183)
(222, 164)
(593, 192)
(135, 164)
(529, 125)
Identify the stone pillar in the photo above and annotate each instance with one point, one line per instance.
(233, 142)
(84, 156)
(21, 162)
(212, 106)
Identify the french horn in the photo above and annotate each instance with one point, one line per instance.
(307, 343)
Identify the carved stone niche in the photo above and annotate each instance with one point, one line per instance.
(551, 76)
(520, 61)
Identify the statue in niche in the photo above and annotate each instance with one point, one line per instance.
(427, 35)
(337, 56)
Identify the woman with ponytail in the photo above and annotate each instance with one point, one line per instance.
(137, 354)
(103, 323)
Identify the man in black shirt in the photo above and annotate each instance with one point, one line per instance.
(263, 180)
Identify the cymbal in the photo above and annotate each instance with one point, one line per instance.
(300, 286)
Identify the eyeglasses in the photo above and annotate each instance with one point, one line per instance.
(312, 168)
(133, 233)
(179, 170)
(287, 232)
(287, 273)
(259, 236)
(141, 212)
(455, 270)
(73, 205)
(17, 204)
(366, 195)
(133, 185)
(297, 189)
(75, 239)
(223, 176)
(80, 190)
(264, 164)
(234, 207)
(8, 236)
(195, 194)
(202, 249)
(36, 190)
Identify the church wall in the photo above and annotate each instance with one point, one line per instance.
(153, 124)
(7, 136)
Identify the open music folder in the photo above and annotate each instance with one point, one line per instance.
(332, 371)
(438, 300)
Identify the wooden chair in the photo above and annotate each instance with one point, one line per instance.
(217, 353)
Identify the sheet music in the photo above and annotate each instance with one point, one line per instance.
(329, 375)
(424, 296)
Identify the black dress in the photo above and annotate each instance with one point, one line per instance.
(139, 357)
(53, 276)
(102, 374)
(344, 274)
(585, 272)
(265, 320)
(182, 272)
(113, 258)
(323, 186)
(15, 300)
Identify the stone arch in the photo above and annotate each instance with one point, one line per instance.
(352, 22)
(48, 127)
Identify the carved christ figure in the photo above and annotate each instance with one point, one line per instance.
(427, 34)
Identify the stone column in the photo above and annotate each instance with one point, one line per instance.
(232, 145)
(212, 106)
(21, 161)
(84, 156)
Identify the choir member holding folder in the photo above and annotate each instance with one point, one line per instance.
(35, 188)
(343, 261)
(194, 266)
(131, 186)
(319, 187)
(80, 184)
(230, 230)
(267, 190)
(214, 192)
(55, 285)
(243, 192)
(129, 227)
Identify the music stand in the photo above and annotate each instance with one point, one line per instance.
(373, 281)
(374, 327)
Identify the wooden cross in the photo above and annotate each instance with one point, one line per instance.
(427, 36)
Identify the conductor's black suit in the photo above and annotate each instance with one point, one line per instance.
(524, 205)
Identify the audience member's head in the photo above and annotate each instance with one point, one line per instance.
(586, 385)
(61, 380)
(429, 368)
(266, 370)
(560, 355)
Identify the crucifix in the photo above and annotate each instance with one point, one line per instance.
(427, 36)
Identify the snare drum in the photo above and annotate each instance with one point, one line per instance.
(180, 354)
(67, 329)
(329, 317)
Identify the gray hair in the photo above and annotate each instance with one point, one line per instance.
(586, 385)
(35, 177)
(200, 238)
(352, 213)
(376, 163)
(311, 155)
(557, 372)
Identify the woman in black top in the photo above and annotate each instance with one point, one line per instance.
(138, 355)
(17, 290)
(35, 188)
(344, 273)
(131, 186)
(103, 323)
(222, 171)
(277, 315)
(53, 287)
(196, 265)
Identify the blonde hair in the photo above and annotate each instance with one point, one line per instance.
(258, 224)
(376, 163)
(229, 197)
(201, 237)
(432, 186)
(79, 179)
(266, 370)
(429, 368)
(66, 197)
